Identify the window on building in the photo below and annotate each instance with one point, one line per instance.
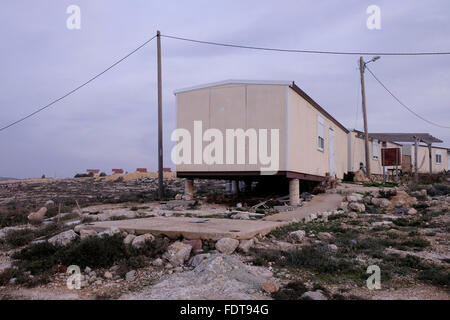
(375, 149)
(320, 133)
(438, 157)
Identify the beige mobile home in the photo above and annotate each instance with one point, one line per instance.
(439, 158)
(356, 152)
(303, 140)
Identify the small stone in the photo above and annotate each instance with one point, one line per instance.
(179, 196)
(324, 236)
(241, 215)
(138, 242)
(352, 215)
(49, 203)
(85, 233)
(129, 239)
(270, 286)
(130, 276)
(108, 275)
(178, 252)
(195, 244)
(87, 270)
(98, 282)
(227, 245)
(158, 262)
(246, 245)
(314, 295)
(332, 247)
(168, 266)
(356, 206)
(412, 211)
(297, 236)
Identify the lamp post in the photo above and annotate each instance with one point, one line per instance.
(362, 67)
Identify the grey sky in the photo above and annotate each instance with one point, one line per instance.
(112, 122)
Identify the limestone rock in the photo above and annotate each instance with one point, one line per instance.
(314, 295)
(129, 239)
(195, 244)
(352, 215)
(158, 262)
(130, 276)
(107, 275)
(360, 177)
(138, 242)
(84, 233)
(246, 245)
(227, 245)
(412, 211)
(241, 215)
(381, 202)
(356, 206)
(63, 238)
(324, 236)
(270, 286)
(178, 252)
(38, 215)
(197, 259)
(297, 236)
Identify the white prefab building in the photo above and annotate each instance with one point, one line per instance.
(311, 143)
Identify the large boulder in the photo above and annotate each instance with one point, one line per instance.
(178, 252)
(402, 199)
(38, 215)
(227, 245)
(64, 238)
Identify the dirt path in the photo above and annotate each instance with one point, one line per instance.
(320, 203)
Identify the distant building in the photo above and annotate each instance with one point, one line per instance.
(93, 171)
(167, 170)
(141, 170)
(117, 171)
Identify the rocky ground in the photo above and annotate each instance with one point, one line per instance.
(404, 231)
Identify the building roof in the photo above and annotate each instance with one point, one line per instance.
(234, 81)
(360, 135)
(291, 84)
(405, 137)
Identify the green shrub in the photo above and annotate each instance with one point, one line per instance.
(292, 291)
(19, 238)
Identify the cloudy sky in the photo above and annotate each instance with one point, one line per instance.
(112, 123)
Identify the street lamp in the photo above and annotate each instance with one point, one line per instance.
(362, 66)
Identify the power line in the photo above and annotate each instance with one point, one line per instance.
(79, 87)
(402, 104)
(307, 51)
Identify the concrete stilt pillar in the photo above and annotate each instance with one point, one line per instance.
(294, 192)
(228, 186)
(189, 189)
(234, 187)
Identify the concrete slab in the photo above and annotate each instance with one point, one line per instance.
(320, 203)
(190, 228)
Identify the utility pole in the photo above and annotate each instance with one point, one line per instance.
(362, 66)
(160, 141)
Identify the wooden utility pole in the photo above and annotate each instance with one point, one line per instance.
(416, 161)
(362, 66)
(160, 141)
